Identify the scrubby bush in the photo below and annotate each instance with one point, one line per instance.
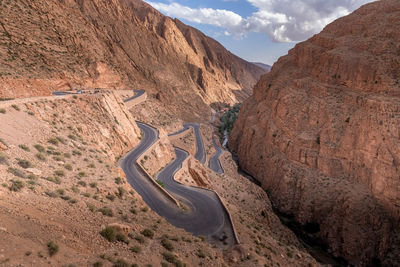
(24, 163)
(136, 249)
(15, 107)
(53, 141)
(52, 248)
(16, 185)
(40, 156)
(106, 211)
(148, 233)
(17, 172)
(167, 244)
(59, 173)
(3, 159)
(24, 147)
(39, 148)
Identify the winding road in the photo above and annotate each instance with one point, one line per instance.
(214, 163)
(205, 214)
(200, 151)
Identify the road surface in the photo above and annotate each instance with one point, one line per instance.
(214, 163)
(137, 94)
(205, 214)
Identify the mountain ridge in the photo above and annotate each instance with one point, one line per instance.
(116, 44)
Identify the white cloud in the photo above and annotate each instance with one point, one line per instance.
(281, 20)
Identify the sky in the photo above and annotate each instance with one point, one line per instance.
(258, 30)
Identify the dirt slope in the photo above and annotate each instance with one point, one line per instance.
(321, 133)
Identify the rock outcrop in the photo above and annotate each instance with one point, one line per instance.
(49, 45)
(321, 133)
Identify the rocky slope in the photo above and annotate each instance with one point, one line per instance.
(49, 45)
(321, 134)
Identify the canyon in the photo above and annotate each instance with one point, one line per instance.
(321, 135)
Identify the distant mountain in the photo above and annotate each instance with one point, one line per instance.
(116, 44)
(263, 66)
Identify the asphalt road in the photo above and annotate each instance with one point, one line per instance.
(137, 94)
(200, 151)
(214, 163)
(205, 214)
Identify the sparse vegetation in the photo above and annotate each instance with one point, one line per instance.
(15, 107)
(59, 173)
(148, 233)
(40, 156)
(24, 163)
(39, 148)
(2, 111)
(106, 211)
(228, 119)
(136, 249)
(171, 258)
(52, 248)
(17, 172)
(24, 147)
(16, 185)
(167, 244)
(3, 159)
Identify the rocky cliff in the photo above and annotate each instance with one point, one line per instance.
(321, 133)
(48, 45)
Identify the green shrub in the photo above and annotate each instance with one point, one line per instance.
(136, 249)
(139, 239)
(53, 141)
(16, 185)
(82, 183)
(24, 163)
(82, 174)
(110, 197)
(98, 264)
(122, 238)
(121, 192)
(40, 156)
(167, 244)
(52, 248)
(76, 153)
(55, 180)
(3, 159)
(68, 167)
(121, 263)
(17, 172)
(2, 110)
(109, 233)
(106, 211)
(60, 191)
(59, 173)
(24, 147)
(39, 148)
(118, 180)
(171, 258)
(160, 183)
(148, 233)
(93, 185)
(201, 254)
(16, 107)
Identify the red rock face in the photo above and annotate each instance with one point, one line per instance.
(321, 133)
(48, 45)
